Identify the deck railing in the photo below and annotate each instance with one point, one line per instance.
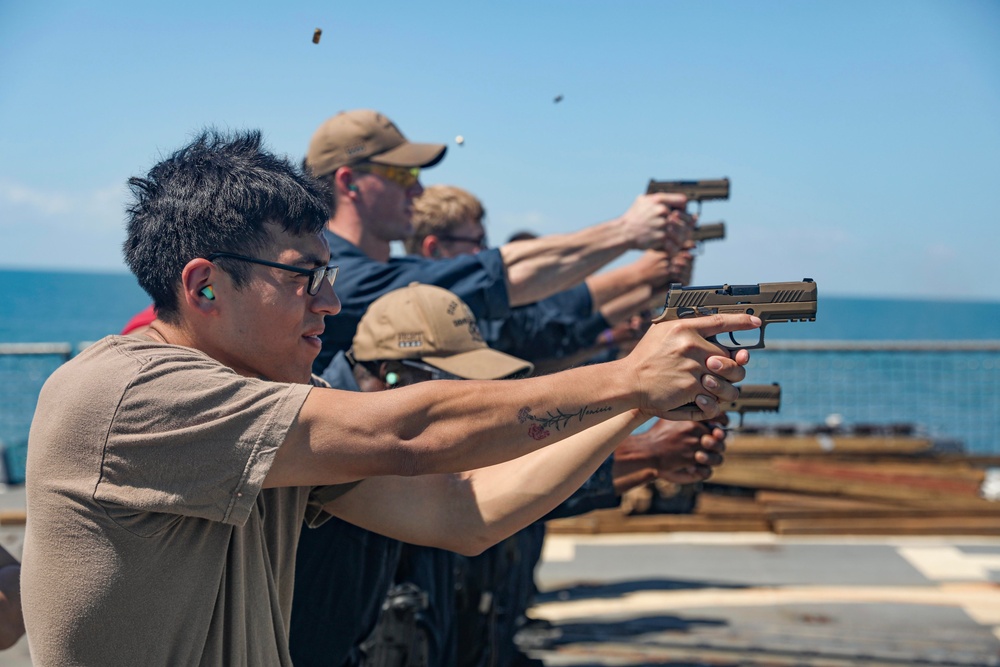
(944, 389)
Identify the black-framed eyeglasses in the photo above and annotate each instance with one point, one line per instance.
(316, 275)
(477, 241)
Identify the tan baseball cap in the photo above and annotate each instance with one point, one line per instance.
(433, 325)
(364, 135)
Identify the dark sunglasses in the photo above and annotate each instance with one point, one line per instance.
(477, 241)
(316, 275)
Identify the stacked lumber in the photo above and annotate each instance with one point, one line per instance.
(822, 484)
(12, 517)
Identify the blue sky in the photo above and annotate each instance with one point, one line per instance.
(862, 138)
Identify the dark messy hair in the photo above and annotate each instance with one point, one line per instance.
(329, 182)
(220, 193)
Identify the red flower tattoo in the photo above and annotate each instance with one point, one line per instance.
(537, 432)
(523, 414)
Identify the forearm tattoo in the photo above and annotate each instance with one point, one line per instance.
(558, 420)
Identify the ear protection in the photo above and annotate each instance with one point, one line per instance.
(352, 187)
(390, 377)
(208, 293)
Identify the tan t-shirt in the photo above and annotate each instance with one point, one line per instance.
(149, 539)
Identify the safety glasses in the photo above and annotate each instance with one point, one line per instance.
(404, 177)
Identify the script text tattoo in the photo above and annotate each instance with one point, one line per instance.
(540, 425)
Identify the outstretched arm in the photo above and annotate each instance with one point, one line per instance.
(447, 426)
(469, 512)
(620, 293)
(659, 270)
(540, 267)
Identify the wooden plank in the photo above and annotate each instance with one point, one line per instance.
(778, 505)
(930, 468)
(768, 477)
(780, 513)
(710, 504)
(12, 518)
(737, 443)
(784, 498)
(926, 477)
(586, 524)
(787, 477)
(924, 467)
(911, 505)
(612, 521)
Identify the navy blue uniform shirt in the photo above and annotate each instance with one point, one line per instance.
(552, 328)
(479, 280)
(342, 573)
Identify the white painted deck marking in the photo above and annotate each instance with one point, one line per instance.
(950, 564)
(934, 558)
(966, 596)
(558, 549)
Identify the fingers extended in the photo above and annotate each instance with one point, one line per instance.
(710, 325)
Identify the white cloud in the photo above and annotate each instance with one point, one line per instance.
(98, 209)
(14, 195)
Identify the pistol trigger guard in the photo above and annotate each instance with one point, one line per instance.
(715, 339)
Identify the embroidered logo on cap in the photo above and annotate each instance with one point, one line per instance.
(469, 322)
(407, 340)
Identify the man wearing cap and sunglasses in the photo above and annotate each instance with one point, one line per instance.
(412, 335)
(371, 170)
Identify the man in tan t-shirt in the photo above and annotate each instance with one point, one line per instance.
(169, 473)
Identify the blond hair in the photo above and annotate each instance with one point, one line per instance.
(441, 209)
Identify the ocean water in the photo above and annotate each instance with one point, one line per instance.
(48, 306)
(948, 395)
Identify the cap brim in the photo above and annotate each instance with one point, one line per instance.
(411, 155)
(481, 364)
